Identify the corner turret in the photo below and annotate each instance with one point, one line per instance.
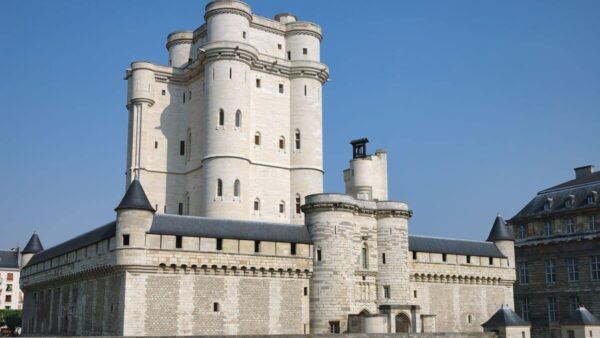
(33, 246)
(366, 179)
(504, 240)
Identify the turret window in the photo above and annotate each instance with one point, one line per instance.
(364, 257)
(221, 117)
(280, 88)
(181, 148)
(256, 206)
(236, 189)
(257, 138)
(297, 143)
(125, 240)
(298, 204)
(257, 83)
(319, 255)
(219, 188)
(289, 55)
(281, 209)
(304, 51)
(238, 119)
(282, 144)
(383, 258)
(244, 34)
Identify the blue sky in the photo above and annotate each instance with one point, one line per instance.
(480, 104)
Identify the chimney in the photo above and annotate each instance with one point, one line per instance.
(584, 171)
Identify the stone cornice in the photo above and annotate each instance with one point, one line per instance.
(458, 279)
(304, 32)
(235, 11)
(348, 207)
(223, 270)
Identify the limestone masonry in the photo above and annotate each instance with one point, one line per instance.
(224, 228)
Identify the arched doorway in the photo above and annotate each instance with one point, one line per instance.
(402, 323)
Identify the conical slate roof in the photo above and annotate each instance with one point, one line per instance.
(135, 198)
(34, 245)
(582, 316)
(505, 317)
(499, 231)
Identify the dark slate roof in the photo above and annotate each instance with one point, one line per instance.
(34, 245)
(81, 241)
(453, 246)
(9, 259)
(499, 231)
(505, 316)
(579, 188)
(135, 198)
(166, 224)
(581, 316)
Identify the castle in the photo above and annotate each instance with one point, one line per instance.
(224, 227)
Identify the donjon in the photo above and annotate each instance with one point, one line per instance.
(224, 228)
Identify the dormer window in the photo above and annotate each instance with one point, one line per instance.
(570, 201)
(592, 197)
(522, 231)
(548, 204)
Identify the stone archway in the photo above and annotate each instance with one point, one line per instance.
(402, 323)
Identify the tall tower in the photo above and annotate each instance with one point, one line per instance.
(232, 126)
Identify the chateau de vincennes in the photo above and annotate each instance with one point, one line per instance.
(224, 227)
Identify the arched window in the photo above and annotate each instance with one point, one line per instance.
(297, 140)
(364, 257)
(236, 189)
(221, 117)
(238, 119)
(256, 206)
(219, 188)
(257, 139)
(281, 209)
(298, 204)
(281, 143)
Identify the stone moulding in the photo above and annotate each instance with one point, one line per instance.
(457, 279)
(223, 270)
(227, 11)
(347, 207)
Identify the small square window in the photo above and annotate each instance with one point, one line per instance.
(216, 307)
(164, 92)
(178, 242)
(125, 240)
(281, 88)
(244, 34)
(305, 51)
(468, 259)
(279, 46)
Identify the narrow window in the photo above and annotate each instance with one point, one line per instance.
(190, 94)
(256, 205)
(180, 209)
(305, 51)
(236, 189)
(468, 259)
(164, 92)
(319, 256)
(297, 139)
(9, 276)
(572, 269)
(491, 261)
(221, 117)
(415, 293)
(244, 34)
(279, 46)
(289, 55)
(188, 151)
(183, 97)
(305, 291)
(364, 257)
(469, 319)
(592, 222)
(190, 61)
(414, 255)
(229, 72)
(257, 139)
(444, 257)
(386, 291)
(383, 258)
(256, 246)
(293, 249)
(552, 312)
(523, 273)
(238, 119)
(178, 242)
(125, 240)
(304, 90)
(298, 204)
(215, 307)
(280, 88)
(155, 144)
(281, 143)
(181, 148)
(525, 308)
(219, 244)
(219, 188)
(548, 228)
(282, 209)
(595, 267)
(257, 83)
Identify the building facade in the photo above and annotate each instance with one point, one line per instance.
(224, 228)
(11, 262)
(558, 253)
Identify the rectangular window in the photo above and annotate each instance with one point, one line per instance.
(164, 92)
(592, 222)
(569, 226)
(595, 267)
(279, 46)
(181, 148)
(573, 303)
(180, 209)
(219, 244)
(305, 51)
(256, 246)
(491, 261)
(9, 277)
(280, 88)
(289, 55)
(8, 298)
(125, 240)
(386, 291)
(334, 327)
(523, 273)
(525, 308)
(572, 269)
(8, 287)
(257, 83)
(244, 34)
(552, 312)
(298, 205)
(383, 258)
(548, 228)
(415, 293)
(155, 144)
(522, 231)
(468, 259)
(190, 93)
(319, 255)
(444, 257)
(293, 249)
(183, 97)
(550, 268)
(305, 291)
(178, 242)
(414, 255)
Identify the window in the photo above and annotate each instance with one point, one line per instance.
(155, 144)
(181, 148)
(164, 92)
(293, 249)
(469, 319)
(319, 256)
(572, 269)
(386, 291)
(219, 244)
(592, 222)
(570, 201)
(236, 189)
(569, 226)
(125, 240)
(257, 83)
(414, 293)
(190, 93)
(230, 72)
(178, 242)
(491, 261)
(444, 257)
(238, 119)
(297, 139)
(414, 255)
(595, 267)
(256, 205)
(305, 291)
(305, 51)
(279, 46)
(469, 259)
(522, 231)
(8, 298)
(256, 246)
(244, 34)
(334, 327)
(9, 276)
(216, 307)
(289, 55)
(552, 313)
(282, 143)
(282, 209)
(383, 258)
(571, 333)
(548, 228)
(550, 268)
(9, 287)
(219, 188)
(280, 88)
(548, 204)
(523, 273)
(573, 303)
(304, 90)
(257, 139)
(298, 204)
(180, 209)
(592, 197)
(221, 117)
(525, 308)
(364, 257)
(183, 97)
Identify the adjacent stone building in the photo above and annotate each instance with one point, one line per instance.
(558, 253)
(11, 262)
(231, 232)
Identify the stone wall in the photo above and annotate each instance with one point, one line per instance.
(355, 335)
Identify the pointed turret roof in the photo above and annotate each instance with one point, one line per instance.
(582, 316)
(499, 231)
(135, 198)
(34, 245)
(505, 316)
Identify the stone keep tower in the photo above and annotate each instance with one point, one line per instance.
(232, 127)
